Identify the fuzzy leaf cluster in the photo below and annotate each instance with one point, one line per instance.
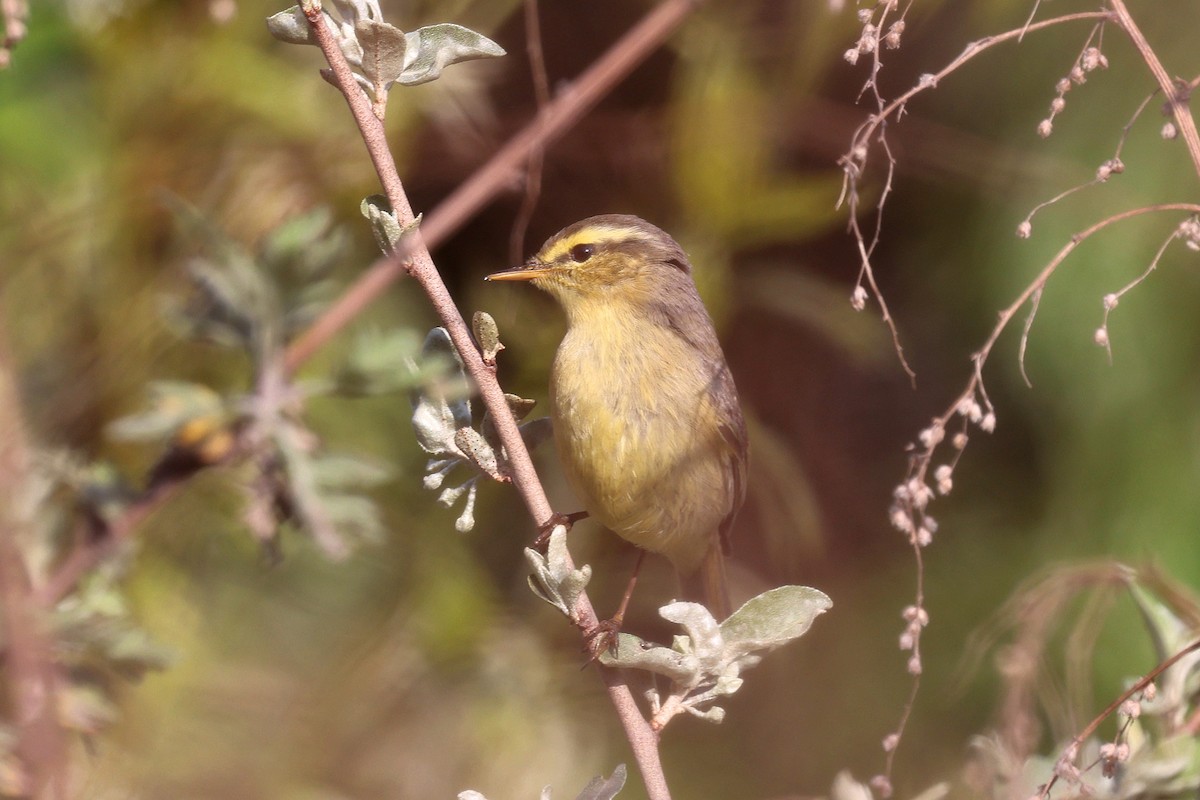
(444, 425)
(381, 54)
(705, 663)
(598, 788)
(100, 648)
(257, 299)
(553, 577)
(1156, 755)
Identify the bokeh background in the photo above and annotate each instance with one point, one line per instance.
(423, 666)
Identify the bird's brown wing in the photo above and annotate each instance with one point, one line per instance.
(732, 427)
(687, 317)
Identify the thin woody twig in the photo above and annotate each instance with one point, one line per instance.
(643, 740)
(497, 174)
(1175, 98)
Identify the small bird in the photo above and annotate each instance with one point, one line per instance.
(645, 412)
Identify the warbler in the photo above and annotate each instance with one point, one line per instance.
(645, 412)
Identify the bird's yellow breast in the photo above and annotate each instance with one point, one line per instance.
(638, 434)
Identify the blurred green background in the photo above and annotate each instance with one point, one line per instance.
(424, 666)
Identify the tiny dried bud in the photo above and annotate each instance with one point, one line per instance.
(932, 436)
(1077, 75)
(924, 537)
(906, 641)
(1116, 165)
(858, 300)
(943, 477)
(1103, 173)
(927, 80)
(1169, 131)
(1189, 229)
(1063, 86)
(1057, 105)
(1045, 128)
(851, 55)
(1024, 229)
(864, 15)
(1110, 302)
(988, 423)
(1150, 692)
(1093, 59)
(890, 741)
(1100, 337)
(882, 786)
(1131, 708)
(901, 520)
(892, 40)
(910, 613)
(959, 441)
(914, 665)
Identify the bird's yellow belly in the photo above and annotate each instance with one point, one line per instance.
(638, 438)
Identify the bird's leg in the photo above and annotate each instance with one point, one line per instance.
(556, 519)
(603, 635)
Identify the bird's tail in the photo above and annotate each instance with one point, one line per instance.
(707, 584)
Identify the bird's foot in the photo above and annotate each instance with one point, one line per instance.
(602, 636)
(556, 519)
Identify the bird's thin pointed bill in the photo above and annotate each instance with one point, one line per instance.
(525, 272)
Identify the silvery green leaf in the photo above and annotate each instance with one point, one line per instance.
(554, 579)
(355, 10)
(487, 333)
(291, 26)
(466, 520)
(634, 653)
(435, 47)
(384, 224)
(773, 618)
(386, 361)
(846, 788)
(713, 714)
(383, 48)
(438, 345)
(601, 788)
(705, 641)
(478, 452)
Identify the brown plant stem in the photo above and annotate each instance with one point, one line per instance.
(1176, 96)
(28, 658)
(498, 173)
(643, 740)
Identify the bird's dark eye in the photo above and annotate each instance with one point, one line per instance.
(582, 252)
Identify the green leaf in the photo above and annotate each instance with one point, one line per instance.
(601, 788)
(291, 26)
(383, 48)
(774, 618)
(487, 333)
(554, 579)
(435, 47)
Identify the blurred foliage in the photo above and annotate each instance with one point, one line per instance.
(422, 665)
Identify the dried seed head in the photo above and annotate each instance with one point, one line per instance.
(1024, 230)
(1169, 131)
(1045, 128)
